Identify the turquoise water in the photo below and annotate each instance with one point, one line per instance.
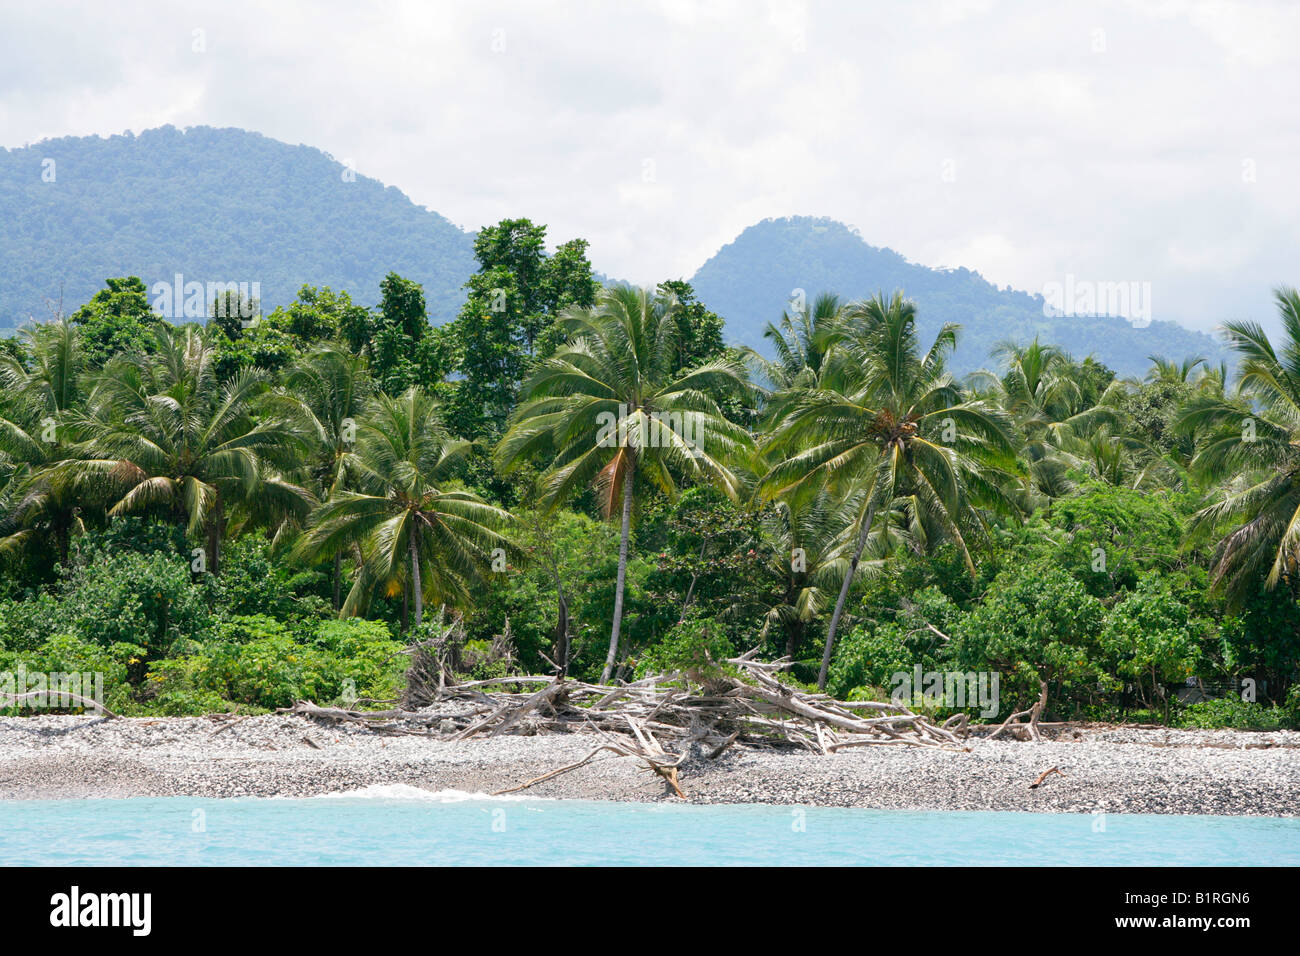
(398, 826)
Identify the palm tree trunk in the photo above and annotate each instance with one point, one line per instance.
(215, 528)
(793, 638)
(338, 580)
(416, 584)
(622, 575)
(844, 594)
(562, 638)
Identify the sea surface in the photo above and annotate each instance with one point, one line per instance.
(400, 825)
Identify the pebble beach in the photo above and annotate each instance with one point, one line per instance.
(1111, 769)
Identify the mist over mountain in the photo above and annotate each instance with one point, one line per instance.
(751, 281)
(228, 205)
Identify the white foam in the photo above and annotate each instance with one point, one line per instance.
(404, 791)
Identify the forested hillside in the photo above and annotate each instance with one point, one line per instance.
(216, 205)
(751, 280)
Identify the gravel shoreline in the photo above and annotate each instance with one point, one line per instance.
(1118, 770)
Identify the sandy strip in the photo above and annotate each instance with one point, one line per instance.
(1116, 770)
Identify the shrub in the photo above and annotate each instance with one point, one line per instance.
(697, 646)
(128, 597)
(68, 654)
(1237, 714)
(1037, 623)
(259, 665)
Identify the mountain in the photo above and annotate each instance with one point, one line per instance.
(215, 205)
(227, 205)
(750, 281)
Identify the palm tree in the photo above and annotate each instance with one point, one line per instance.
(608, 408)
(323, 395)
(889, 423)
(53, 377)
(799, 342)
(36, 436)
(1253, 442)
(809, 543)
(1167, 370)
(169, 439)
(1044, 391)
(413, 526)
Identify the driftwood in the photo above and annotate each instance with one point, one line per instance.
(660, 720)
(1043, 776)
(1029, 728)
(77, 699)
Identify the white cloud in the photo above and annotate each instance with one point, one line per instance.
(1026, 140)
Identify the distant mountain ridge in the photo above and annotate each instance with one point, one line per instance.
(228, 205)
(214, 205)
(751, 280)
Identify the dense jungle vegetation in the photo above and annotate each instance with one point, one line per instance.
(242, 513)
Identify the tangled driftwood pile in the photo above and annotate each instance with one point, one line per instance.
(660, 720)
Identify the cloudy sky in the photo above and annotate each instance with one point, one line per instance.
(1125, 141)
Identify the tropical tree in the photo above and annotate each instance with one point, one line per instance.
(1253, 443)
(1184, 372)
(322, 397)
(1054, 400)
(36, 435)
(799, 341)
(415, 528)
(889, 423)
(807, 560)
(608, 408)
(166, 437)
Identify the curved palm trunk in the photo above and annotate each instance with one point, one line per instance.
(622, 577)
(416, 584)
(844, 594)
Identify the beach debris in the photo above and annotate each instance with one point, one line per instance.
(661, 719)
(1043, 776)
(43, 695)
(1027, 730)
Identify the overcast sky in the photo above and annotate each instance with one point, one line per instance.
(1125, 141)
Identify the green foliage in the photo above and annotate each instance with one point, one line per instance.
(1237, 714)
(699, 331)
(876, 650)
(253, 582)
(100, 667)
(145, 600)
(696, 647)
(1151, 638)
(509, 318)
(117, 319)
(1037, 623)
(256, 663)
(578, 549)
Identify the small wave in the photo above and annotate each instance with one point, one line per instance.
(404, 791)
